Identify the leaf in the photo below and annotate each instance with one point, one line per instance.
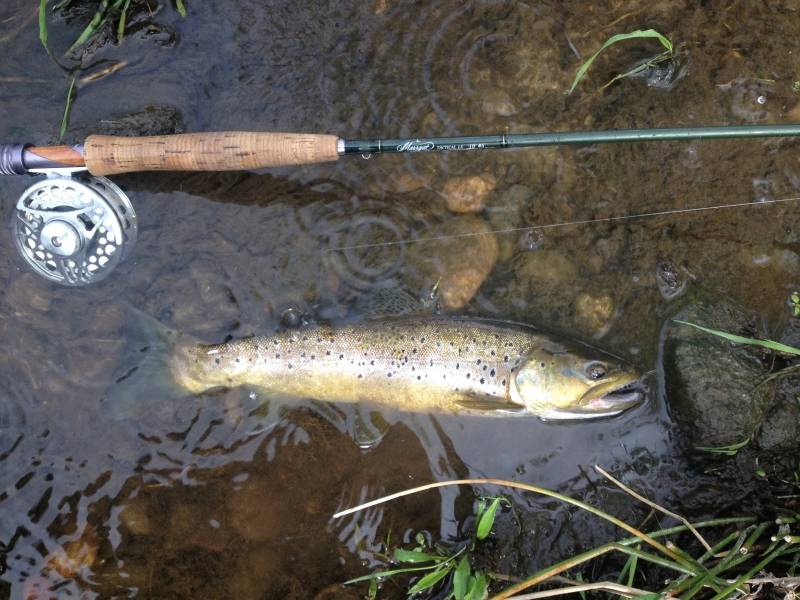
(123, 21)
(181, 8)
(431, 579)
(414, 556)
(777, 346)
(67, 109)
(477, 587)
(97, 21)
(43, 23)
(388, 573)
(726, 450)
(647, 33)
(461, 579)
(486, 520)
(373, 590)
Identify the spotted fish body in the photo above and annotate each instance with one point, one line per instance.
(418, 364)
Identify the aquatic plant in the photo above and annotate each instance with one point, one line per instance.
(795, 300)
(454, 570)
(620, 37)
(728, 568)
(105, 12)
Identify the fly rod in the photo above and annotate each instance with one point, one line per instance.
(234, 151)
(74, 229)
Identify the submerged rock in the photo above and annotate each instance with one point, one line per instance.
(75, 557)
(459, 262)
(595, 312)
(498, 102)
(780, 431)
(152, 120)
(468, 194)
(135, 519)
(712, 384)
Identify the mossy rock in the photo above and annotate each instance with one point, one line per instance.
(712, 384)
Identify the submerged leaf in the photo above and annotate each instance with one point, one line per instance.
(414, 556)
(647, 33)
(181, 8)
(67, 109)
(726, 450)
(43, 23)
(123, 21)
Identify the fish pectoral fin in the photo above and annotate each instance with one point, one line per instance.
(490, 404)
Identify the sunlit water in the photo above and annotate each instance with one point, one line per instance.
(219, 496)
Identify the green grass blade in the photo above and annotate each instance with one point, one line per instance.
(123, 21)
(633, 565)
(776, 346)
(181, 8)
(620, 37)
(67, 109)
(97, 21)
(388, 573)
(725, 450)
(742, 578)
(43, 23)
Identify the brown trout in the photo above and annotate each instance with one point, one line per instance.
(411, 363)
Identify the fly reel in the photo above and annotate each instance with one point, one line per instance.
(74, 229)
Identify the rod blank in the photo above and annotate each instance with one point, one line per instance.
(527, 140)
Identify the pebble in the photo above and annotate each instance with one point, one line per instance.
(468, 194)
(546, 269)
(254, 510)
(76, 556)
(498, 102)
(459, 264)
(134, 518)
(595, 312)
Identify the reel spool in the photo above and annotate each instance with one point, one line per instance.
(74, 230)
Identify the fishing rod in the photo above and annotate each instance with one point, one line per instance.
(76, 226)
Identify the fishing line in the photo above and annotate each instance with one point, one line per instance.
(613, 219)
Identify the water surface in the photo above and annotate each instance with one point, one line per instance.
(219, 497)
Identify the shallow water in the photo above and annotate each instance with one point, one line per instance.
(215, 496)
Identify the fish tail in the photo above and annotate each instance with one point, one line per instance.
(145, 378)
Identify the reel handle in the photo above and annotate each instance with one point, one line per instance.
(222, 151)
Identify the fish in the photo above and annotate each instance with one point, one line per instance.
(421, 364)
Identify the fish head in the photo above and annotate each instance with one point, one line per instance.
(562, 383)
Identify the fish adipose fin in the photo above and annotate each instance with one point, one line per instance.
(144, 380)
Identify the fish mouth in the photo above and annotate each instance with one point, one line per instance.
(606, 400)
(613, 398)
(617, 399)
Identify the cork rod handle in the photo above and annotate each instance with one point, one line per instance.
(223, 151)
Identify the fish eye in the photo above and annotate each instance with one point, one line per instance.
(596, 370)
